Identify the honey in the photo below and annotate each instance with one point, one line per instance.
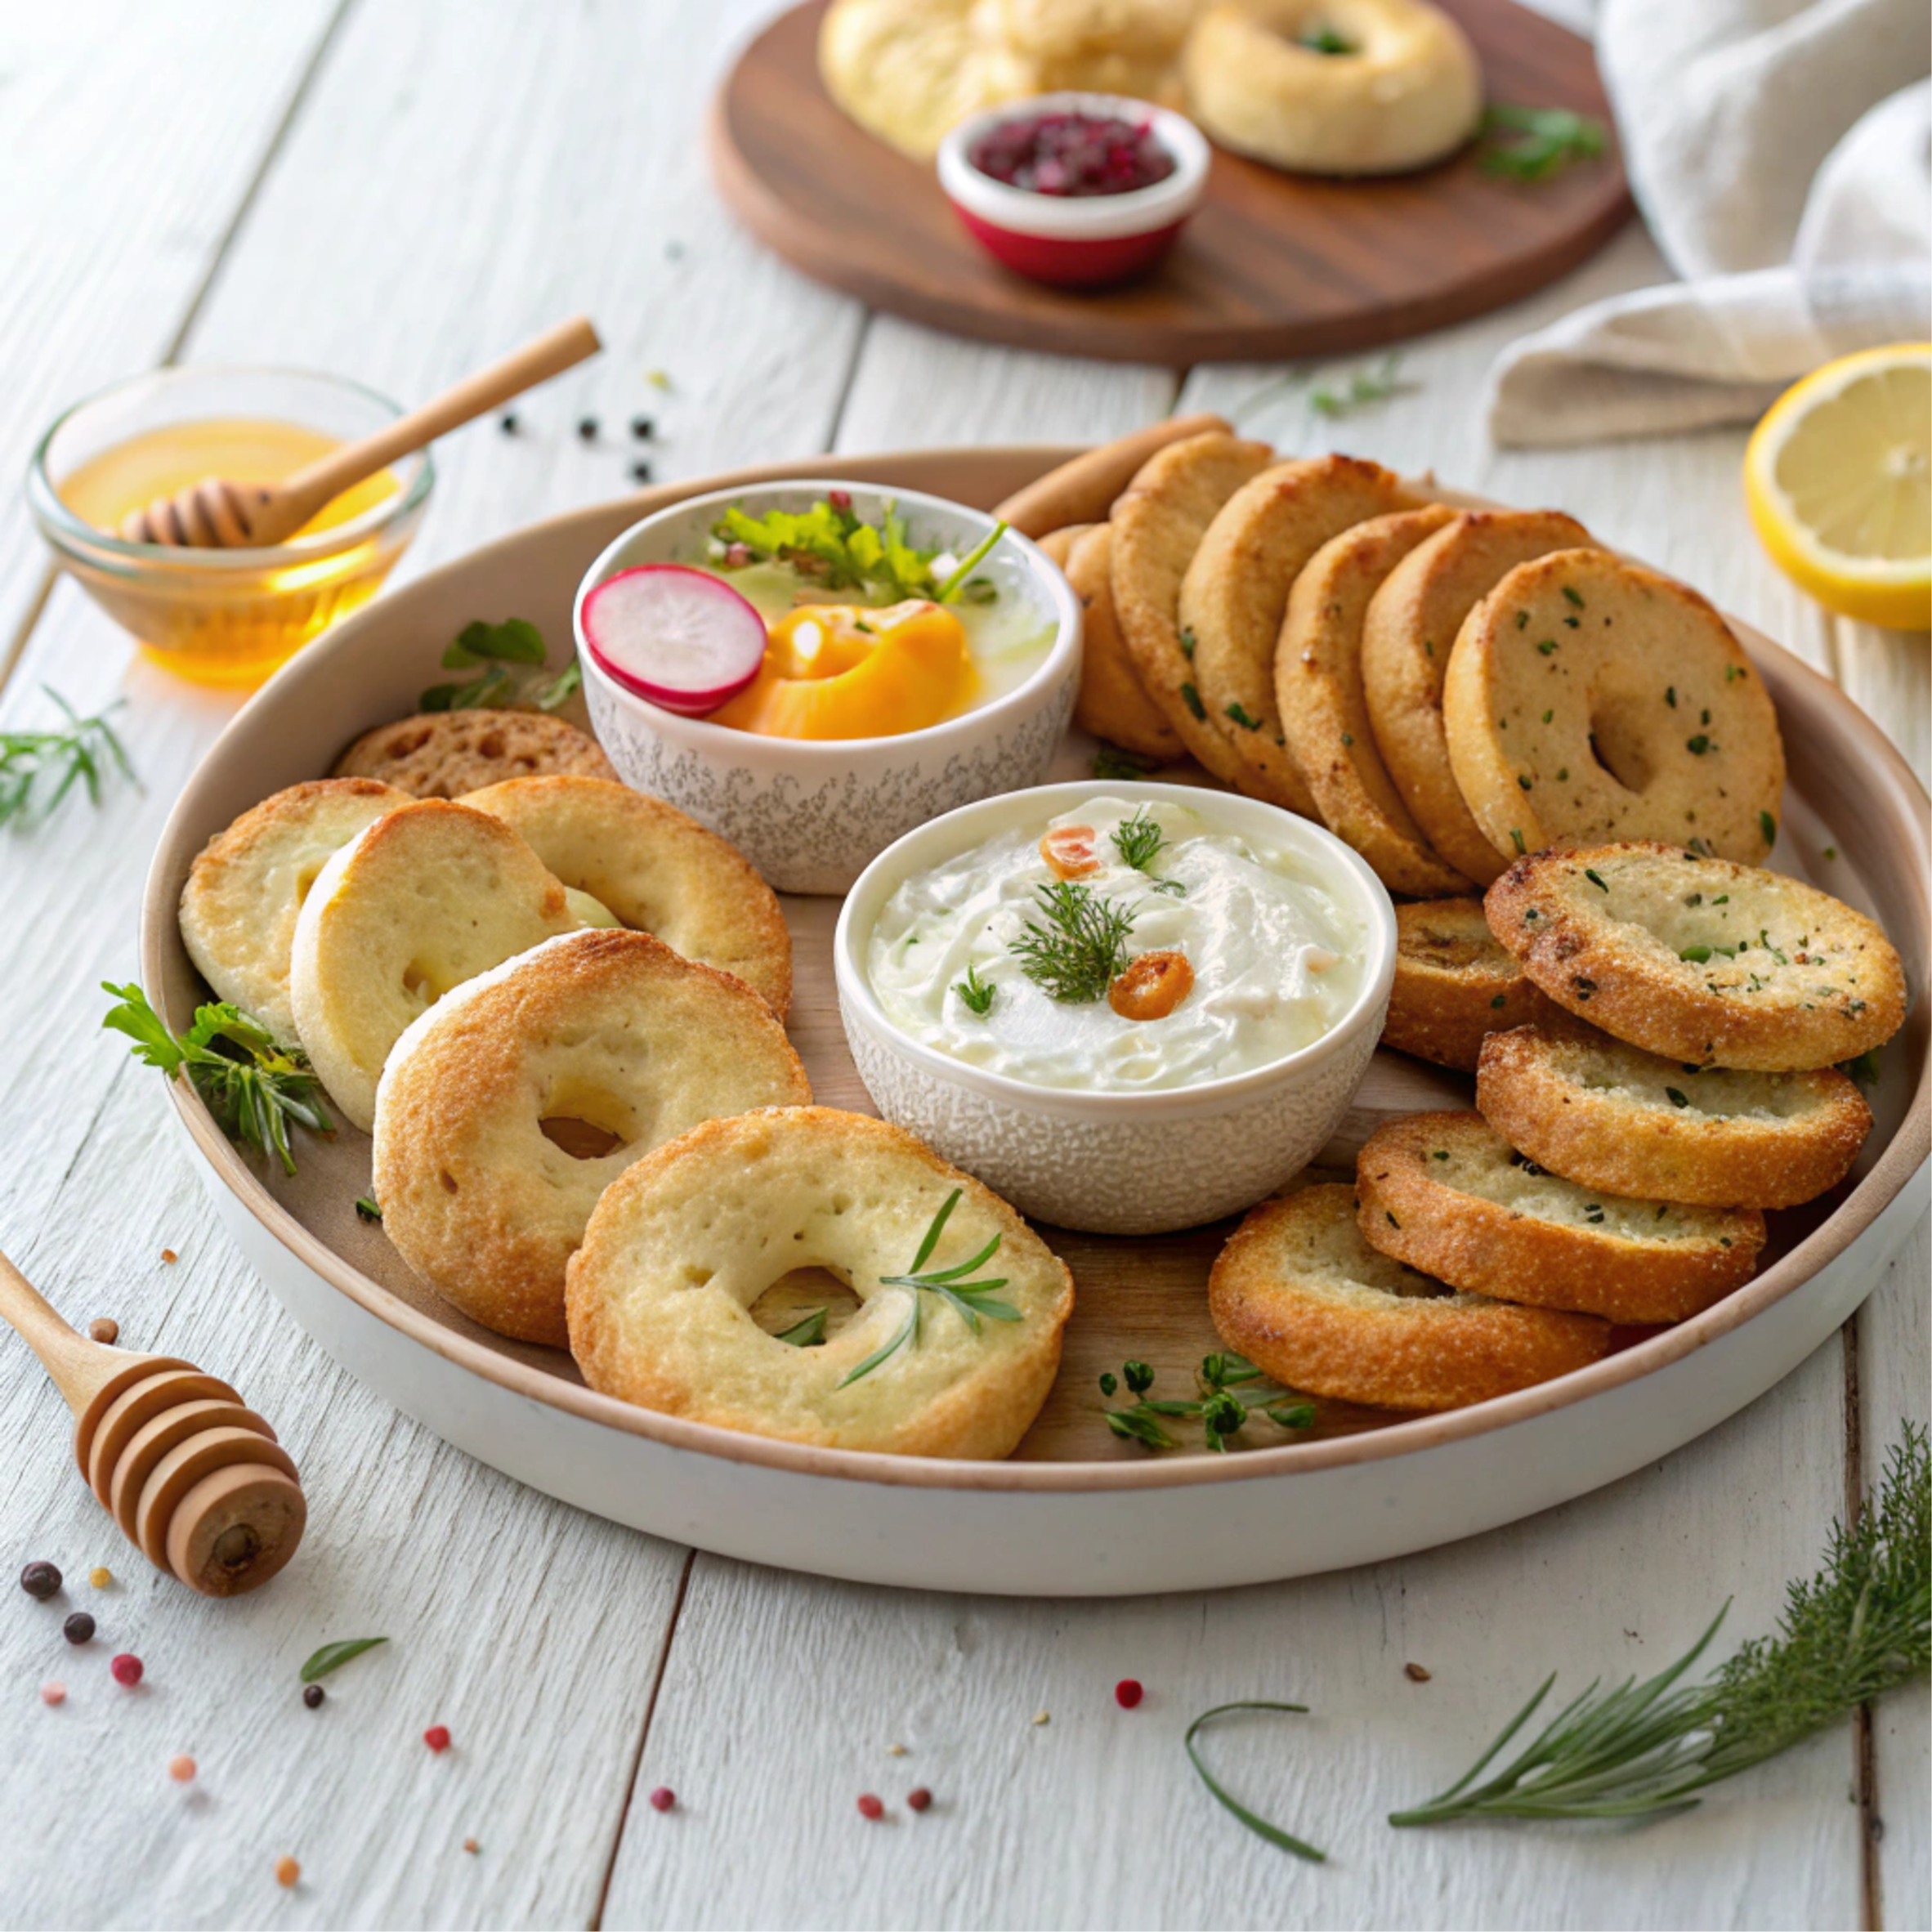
(219, 617)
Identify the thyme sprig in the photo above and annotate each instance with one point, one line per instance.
(1861, 1625)
(1082, 947)
(1532, 144)
(1220, 1412)
(82, 753)
(967, 1300)
(253, 1086)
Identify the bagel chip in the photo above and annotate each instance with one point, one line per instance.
(1113, 703)
(1454, 985)
(442, 754)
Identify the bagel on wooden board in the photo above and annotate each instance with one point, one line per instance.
(905, 70)
(1113, 703)
(1300, 1294)
(1448, 1195)
(1411, 625)
(1588, 699)
(442, 754)
(1235, 596)
(1455, 984)
(1608, 1116)
(612, 1030)
(656, 870)
(1317, 679)
(247, 885)
(1701, 960)
(686, 1241)
(427, 896)
(1157, 526)
(1404, 90)
(1101, 47)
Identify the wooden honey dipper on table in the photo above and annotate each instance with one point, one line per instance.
(216, 514)
(194, 1478)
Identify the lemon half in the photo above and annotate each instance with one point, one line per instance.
(1838, 480)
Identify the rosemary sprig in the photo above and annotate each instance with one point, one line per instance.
(1255, 1824)
(1532, 144)
(975, 994)
(1363, 390)
(80, 754)
(1083, 946)
(967, 1300)
(253, 1087)
(498, 647)
(1139, 840)
(1861, 1625)
(806, 1333)
(1220, 1412)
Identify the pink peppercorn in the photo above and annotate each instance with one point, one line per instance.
(126, 1668)
(182, 1770)
(871, 1807)
(53, 1693)
(1127, 1693)
(437, 1737)
(918, 1801)
(663, 1798)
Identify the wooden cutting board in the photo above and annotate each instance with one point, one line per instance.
(1273, 265)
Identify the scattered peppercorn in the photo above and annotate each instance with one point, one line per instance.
(287, 1872)
(507, 422)
(53, 1693)
(101, 1329)
(1127, 1693)
(127, 1669)
(895, 1750)
(437, 1737)
(1042, 1717)
(470, 1844)
(101, 1577)
(312, 1695)
(639, 472)
(78, 1628)
(869, 1806)
(587, 428)
(663, 1798)
(181, 1770)
(918, 1801)
(40, 1580)
(169, 1256)
(1415, 1674)
(643, 428)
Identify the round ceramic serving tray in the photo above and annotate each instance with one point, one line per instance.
(1075, 1512)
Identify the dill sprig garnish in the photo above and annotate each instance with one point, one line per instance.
(1139, 840)
(967, 1300)
(1076, 955)
(1861, 1625)
(82, 753)
(253, 1086)
(1220, 1412)
(975, 994)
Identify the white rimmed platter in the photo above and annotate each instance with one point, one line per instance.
(1075, 1512)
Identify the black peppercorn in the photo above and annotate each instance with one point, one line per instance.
(639, 472)
(643, 428)
(587, 428)
(40, 1580)
(312, 1695)
(78, 1628)
(507, 422)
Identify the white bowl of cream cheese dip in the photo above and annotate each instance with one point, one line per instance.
(1128, 1007)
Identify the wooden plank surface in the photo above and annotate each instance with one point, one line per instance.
(466, 173)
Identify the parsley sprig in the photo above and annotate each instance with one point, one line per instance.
(1220, 1412)
(1075, 956)
(82, 752)
(253, 1086)
(500, 648)
(835, 547)
(975, 994)
(967, 1300)
(1532, 143)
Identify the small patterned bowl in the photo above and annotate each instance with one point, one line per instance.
(1117, 1163)
(811, 815)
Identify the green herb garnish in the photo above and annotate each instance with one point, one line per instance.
(967, 1299)
(332, 1657)
(1255, 1824)
(1139, 840)
(1864, 1070)
(1192, 698)
(1862, 1623)
(837, 549)
(1363, 389)
(974, 993)
(1768, 826)
(1533, 144)
(367, 1208)
(808, 1332)
(251, 1085)
(1082, 947)
(1324, 40)
(1240, 715)
(498, 647)
(1595, 879)
(1220, 1412)
(80, 754)
(1110, 762)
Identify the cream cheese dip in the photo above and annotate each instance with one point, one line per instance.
(1276, 958)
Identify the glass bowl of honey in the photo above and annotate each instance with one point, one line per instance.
(222, 616)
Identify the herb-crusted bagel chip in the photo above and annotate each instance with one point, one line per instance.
(1700, 960)
(655, 870)
(684, 1242)
(1300, 1294)
(442, 754)
(1608, 1116)
(1235, 596)
(1454, 984)
(239, 905)
(1448, 1194)
(1590, 699)
(1406, 637)
(1317, 679)
(1158, 524)
(1113, 703)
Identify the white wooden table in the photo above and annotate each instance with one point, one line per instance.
(396, 190)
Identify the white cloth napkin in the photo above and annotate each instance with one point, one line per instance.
(1781, 154)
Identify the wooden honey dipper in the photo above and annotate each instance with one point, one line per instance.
(215, 514)
(195, 1478)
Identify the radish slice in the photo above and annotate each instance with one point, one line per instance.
(679, 638)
